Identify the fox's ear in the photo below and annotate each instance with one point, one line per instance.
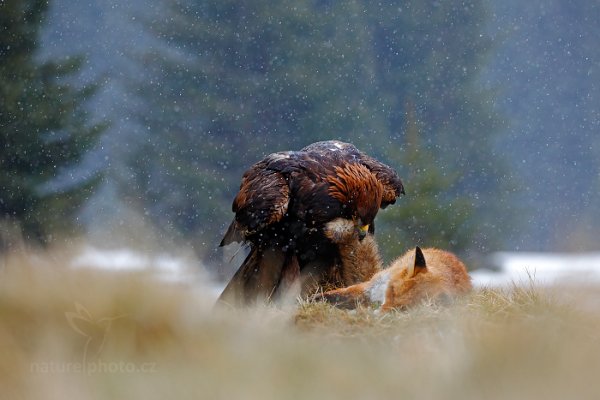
(420, 264)
(419, 258)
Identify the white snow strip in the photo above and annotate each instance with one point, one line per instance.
(544, 269)
(165, 267)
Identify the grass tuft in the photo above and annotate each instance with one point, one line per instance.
(145, 338)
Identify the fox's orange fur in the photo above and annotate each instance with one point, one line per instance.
(429, 274)
(360, 258)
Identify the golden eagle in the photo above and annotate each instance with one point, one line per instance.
(281, 209)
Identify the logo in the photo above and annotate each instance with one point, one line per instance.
(95, 330)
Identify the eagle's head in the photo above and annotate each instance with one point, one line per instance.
(360, 193)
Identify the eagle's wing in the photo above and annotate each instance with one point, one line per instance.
(263, 199)
(347, 152)
(392, 185)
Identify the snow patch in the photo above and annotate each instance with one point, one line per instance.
(163, 266)
(544, 269)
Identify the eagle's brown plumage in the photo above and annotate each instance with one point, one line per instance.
(282, 206)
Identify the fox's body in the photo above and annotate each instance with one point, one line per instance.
(419, 275)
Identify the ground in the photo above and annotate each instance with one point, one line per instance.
(88, 334)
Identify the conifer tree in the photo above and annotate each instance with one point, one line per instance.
(43, 129)
(241, 80)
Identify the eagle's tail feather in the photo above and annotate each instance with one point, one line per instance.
(233, 234)
(259, 277)
(290, 285)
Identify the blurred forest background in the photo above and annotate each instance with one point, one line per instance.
(132, 122)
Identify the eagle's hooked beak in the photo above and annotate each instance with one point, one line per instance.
(362, 231)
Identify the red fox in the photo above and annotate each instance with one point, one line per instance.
(419, 275)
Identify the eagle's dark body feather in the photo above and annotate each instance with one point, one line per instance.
(280, 210)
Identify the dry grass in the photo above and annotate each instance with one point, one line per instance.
(166, 341)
